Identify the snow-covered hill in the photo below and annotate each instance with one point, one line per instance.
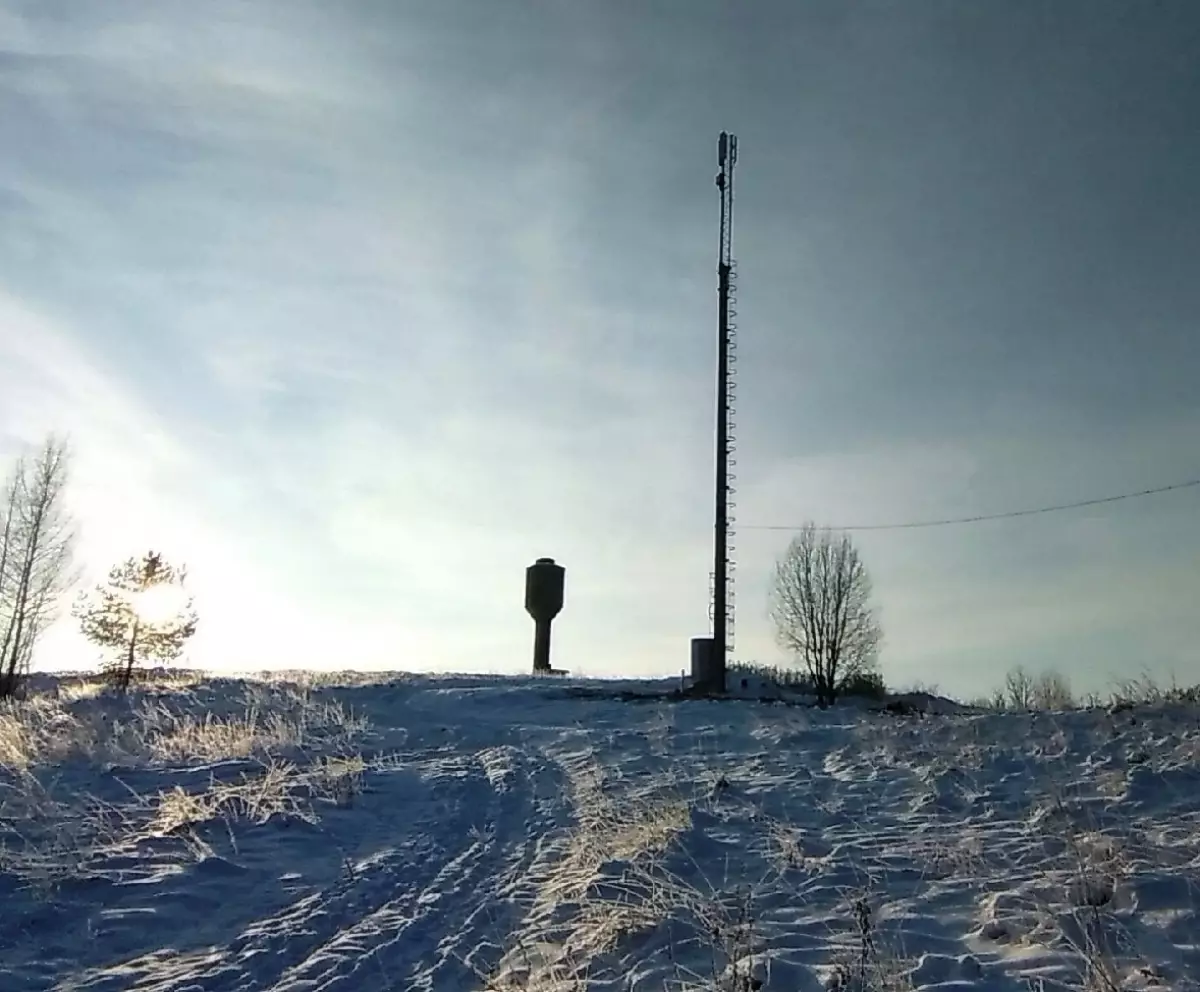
(474, 833)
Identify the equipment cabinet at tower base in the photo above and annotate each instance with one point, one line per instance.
(707, 674)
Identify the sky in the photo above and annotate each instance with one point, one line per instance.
(357, 309)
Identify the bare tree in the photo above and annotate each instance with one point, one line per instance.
(1019, 686)
(1024, 691)
(37, 546)
(820, 604)
(141, 614)
(1052, 691)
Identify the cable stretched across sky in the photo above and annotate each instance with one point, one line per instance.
(980, 518)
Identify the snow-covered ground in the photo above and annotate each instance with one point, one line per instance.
(485, 833)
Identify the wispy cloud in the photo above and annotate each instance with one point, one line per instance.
(372, 387)
(359, 310)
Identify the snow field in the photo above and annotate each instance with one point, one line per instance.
(486, 833)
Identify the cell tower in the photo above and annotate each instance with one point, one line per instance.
(723, 565)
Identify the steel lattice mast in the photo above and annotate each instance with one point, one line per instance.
(722, 603)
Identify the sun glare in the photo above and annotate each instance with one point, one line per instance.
(160, 603)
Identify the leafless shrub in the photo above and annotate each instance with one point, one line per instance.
(1051, 690)
(1145, 691)
(872, 966)
(996, 701)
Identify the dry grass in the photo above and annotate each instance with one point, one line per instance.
(157, 728)
(1144, 691)
(39, 730)
(621, 843)
(582, 911)
(53, 742)
(73, 686)
(1024, 691)
(172, 737)
(279, 790)
(1067, 907)
(608, 831)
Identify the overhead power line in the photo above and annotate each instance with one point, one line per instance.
(949, 521)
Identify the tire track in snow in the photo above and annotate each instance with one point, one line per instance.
(434, 924)
(417, 913)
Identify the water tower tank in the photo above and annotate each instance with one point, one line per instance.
(544, 589)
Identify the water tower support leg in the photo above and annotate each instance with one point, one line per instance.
(541, 646)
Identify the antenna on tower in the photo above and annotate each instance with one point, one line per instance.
(723, 600)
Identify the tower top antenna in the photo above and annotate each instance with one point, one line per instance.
(726, 149)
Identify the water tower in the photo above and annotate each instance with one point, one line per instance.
(544, 581)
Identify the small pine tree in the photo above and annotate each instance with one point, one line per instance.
(140, 615)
